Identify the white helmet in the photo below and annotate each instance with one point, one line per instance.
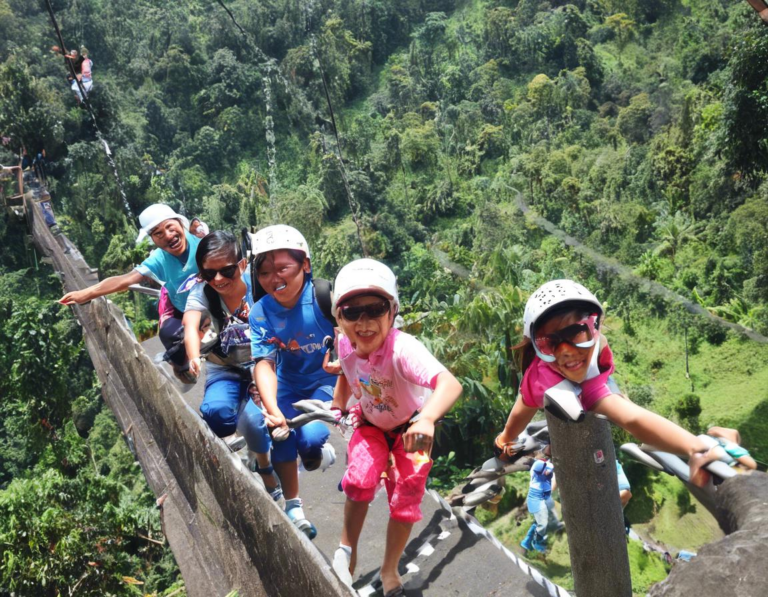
(552, 294)
(364, 276)
(277, 237)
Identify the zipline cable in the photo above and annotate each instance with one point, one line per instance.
(267, 65)
(353, 205)
(87, 104)
(270, 64)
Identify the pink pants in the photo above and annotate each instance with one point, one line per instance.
(368, 456)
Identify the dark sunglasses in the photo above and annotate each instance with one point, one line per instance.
(373, 311)
(580, 335)
(227, 272)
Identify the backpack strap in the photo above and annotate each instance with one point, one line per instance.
(322, 290)
(214, 305)
(324, 298)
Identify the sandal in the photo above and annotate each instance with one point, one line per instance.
(398, 591)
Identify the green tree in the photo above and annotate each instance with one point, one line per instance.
(624, 27)
(633, 120)
(674, 232)
(688, 410)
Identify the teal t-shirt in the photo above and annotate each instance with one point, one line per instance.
(172, 271)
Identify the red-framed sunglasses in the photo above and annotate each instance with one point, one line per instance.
(581, 334)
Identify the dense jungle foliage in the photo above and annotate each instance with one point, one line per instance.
(637, 128)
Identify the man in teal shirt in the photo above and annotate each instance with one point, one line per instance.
(171, 264)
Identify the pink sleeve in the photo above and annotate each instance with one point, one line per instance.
(537, 379)
(343, 346)
(417, 365)
(164, 307)
(345, 350)
(595, 389)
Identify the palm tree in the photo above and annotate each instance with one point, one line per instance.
(675, 232)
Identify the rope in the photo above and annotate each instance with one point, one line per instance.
(269, 65)
(552, 589)
(353, 205)
(87, 104)
(687, 369)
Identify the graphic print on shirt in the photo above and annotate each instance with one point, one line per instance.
(293, 345)
(236, 332)
(378, 392)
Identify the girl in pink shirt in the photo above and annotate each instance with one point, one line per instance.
(562, 341)
(387, 374)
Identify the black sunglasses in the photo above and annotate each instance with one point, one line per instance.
(373, 311)
(227, 272)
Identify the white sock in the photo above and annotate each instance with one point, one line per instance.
(346, 549)
(293, 508)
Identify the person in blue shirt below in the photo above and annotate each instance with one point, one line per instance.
(541, 504)
(172, 264)
(625, 492)
(287, 332)
(227, 406)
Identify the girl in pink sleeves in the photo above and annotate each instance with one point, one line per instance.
(390, 374)
(563, 348)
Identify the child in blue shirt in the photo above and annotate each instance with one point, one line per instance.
(287, 332)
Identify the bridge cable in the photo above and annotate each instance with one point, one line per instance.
(354, 207)
(87, 104)
(270, 64)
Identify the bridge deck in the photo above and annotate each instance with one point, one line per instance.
(443, 557)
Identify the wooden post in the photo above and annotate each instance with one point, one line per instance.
(585, 469)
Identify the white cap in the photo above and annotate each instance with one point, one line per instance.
(552, 294)
(277, 237)
(364, 276)
(155, 215)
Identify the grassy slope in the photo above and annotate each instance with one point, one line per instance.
(646, 568)
(731, 379)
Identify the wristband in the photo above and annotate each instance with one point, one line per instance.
(503, 450)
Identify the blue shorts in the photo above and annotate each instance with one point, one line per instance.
(306, 441)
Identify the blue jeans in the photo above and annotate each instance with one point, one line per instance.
(306, 441)
(543, 510)
(227, 407)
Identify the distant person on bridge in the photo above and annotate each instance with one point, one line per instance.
(225, 295)
(760, 8)
(26, 161)
(85, 76)
(287, 331)
(541, 505)
(40, 166)
(388, 375)
(563, 351)
(171, 264)
(73, 59)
